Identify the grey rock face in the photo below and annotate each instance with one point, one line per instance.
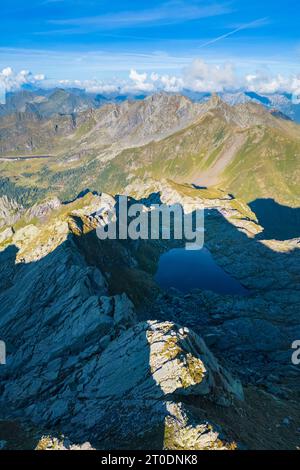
(10, 211)
(42, 210)
(79, 361)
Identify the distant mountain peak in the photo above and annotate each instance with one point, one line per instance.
(215, 99)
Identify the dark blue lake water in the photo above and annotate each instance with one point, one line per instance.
(195, 269)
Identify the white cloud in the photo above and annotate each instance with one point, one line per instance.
(264, 82)
(13, 81)
(7, 72)
(204, 77)
(139, 82)
(171, 84)
(139, 78)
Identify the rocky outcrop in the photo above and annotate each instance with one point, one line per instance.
(192, 198)
(183, 432)
(10, 211)
(45, 226)
(53, 443)
(42, 210)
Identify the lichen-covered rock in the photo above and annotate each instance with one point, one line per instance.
(181, 362)
(6, 234)
(183, 432)
(55, 443)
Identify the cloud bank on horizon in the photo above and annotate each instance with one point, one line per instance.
(199, 76)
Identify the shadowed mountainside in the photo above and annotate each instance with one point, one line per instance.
(279, 222)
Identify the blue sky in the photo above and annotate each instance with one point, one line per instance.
(104, 39)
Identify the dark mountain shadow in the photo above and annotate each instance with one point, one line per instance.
(279, 222)
(8, 266)
(80, 196)
(154, 198)
(9, 255)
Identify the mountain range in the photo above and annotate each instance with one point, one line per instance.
(46, 102)
(247, 149)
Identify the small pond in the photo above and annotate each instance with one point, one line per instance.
(195, 269)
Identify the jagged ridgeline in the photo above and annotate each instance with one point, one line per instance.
(245, 149)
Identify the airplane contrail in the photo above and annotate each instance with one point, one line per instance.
(241, 28)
